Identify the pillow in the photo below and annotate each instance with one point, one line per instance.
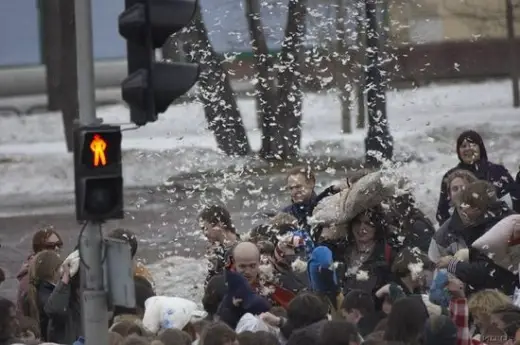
(499, 243)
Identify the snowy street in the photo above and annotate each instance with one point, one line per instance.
(37, 172)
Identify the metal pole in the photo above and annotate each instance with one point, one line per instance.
(94, 299)
(379, 144)
(513, 63)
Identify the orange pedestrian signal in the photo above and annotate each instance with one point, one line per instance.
(98, 146)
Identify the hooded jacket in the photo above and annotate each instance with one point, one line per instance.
(303, 210)
(483, 169)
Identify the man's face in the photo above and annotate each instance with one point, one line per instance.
(248, 265)
(213, 232)
(300, 188)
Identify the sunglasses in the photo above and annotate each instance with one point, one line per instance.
(53, 245)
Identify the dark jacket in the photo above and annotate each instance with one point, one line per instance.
(64, 314)
(303, 210)
(478, 270)
(44, 292)
(368, 323)
(415, 232)
(377, 268)
(496, 174)
(230, 310)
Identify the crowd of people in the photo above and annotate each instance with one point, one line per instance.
(358, 263)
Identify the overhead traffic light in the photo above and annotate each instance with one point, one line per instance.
(152, 86)
(98, 173)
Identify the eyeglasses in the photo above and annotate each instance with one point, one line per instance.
(53, 245)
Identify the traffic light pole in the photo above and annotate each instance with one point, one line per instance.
(93, 299)
(379, 144)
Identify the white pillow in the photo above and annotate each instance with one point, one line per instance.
(495, 243)
(163, 312)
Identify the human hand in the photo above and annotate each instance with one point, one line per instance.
(385, 290)
(270, 319)
(444, 261)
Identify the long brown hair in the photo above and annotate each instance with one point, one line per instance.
(42, 268)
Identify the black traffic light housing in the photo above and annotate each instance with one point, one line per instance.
(152, 86)
(98, 173)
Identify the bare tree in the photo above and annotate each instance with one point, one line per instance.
(215, 92)
(342, 62)
(279, 90)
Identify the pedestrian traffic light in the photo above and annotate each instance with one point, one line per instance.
(152, 86)
(98, 173)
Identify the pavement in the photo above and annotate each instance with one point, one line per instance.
(163, 218)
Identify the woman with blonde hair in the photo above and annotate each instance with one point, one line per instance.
(482, 304)
(43, 275)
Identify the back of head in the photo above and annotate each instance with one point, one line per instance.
(339, 333)
(440, 330)
(305, 309)
(135, 340)
(127, 236)
(406, 320)
(359, 300)
(217, 333)
(410, 262)
(115, 338)
(174, 336)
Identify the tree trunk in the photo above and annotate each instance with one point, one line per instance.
(361, 63)
(68, 73)
(290, 93)
(341, 61)
(216, 94)
(266, 85)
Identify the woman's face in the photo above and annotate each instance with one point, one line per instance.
(53, 242)
(363, 229)
(469, 152)
(456, 186)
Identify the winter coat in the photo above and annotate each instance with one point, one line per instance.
(477, 271)
(307, 335)
(239, 300)
(496, 174)
(23, 283)
(415, 232)
(446, 240)
(64, 314)
(44, 292)
(301, 211)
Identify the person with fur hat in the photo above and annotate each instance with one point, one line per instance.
(473, 157)
(479, 210)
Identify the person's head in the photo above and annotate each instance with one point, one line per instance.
(305, 309)
(482, 303)
(475, 200)
(283, 218)
(440, 329)
(470, 147)
(457, 181)
(356, 305)
(339, 332)
(135, 340)
(127, 236)
(46, 239)
(246, 257)
(43, 268)
(173, 336)
(122, 327)
(300, 183)
(507, 319)
(406, 320)
(216, 223)
(367, 226)
(218, 333)
(8, 319)
(28, 329)
(411, 266)
(114, 338)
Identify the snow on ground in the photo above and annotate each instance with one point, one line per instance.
(424, 123)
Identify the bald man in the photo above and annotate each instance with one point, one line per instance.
(246, 257)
